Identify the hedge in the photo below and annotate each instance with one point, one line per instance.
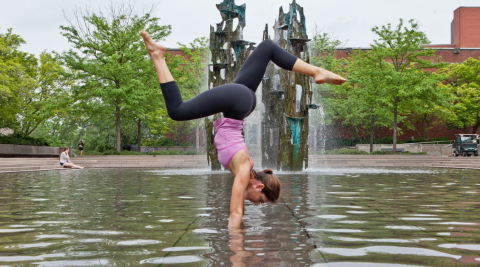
(16, 139)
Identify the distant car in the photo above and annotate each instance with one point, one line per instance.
(465, 145)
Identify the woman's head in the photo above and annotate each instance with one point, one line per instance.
(264, 187)
(65, 149)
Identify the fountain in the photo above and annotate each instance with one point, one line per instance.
(229, 52)
(287, 96)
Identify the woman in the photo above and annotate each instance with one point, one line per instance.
(65, 160)
(80, 147)
(236, 101)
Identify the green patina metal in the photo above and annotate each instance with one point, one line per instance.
(289, 19)
(229, 11)
(285, 126)
(295, 129)
(228, 52)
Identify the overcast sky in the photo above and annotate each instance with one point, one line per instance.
(38, 21)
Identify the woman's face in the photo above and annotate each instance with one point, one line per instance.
(255, 195)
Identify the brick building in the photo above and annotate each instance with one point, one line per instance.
(465, 43)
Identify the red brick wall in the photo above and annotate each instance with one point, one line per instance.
(469, 27)
(456, 26)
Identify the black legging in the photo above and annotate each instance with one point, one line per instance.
(236, 100)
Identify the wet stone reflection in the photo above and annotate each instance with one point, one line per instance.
(325, 217)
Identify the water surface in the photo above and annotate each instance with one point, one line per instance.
(326, 217)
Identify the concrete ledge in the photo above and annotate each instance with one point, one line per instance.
(431, 149)
(200, 161)
(7, 150)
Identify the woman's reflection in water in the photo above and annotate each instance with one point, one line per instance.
(256, 253)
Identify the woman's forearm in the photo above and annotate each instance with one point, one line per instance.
(235, 220)
(237, 201)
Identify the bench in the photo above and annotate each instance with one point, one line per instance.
(390, 149)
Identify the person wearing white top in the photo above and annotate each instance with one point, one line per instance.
(65, 160)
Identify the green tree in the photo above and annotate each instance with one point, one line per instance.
(464, 82)
(411, 87)
(43, 100)
(17, 72)
(114, 75)
(363, 103)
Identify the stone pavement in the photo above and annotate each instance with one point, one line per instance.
(200, 161)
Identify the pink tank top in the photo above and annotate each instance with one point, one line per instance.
(228, 139)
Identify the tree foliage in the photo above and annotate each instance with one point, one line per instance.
(411, 86)
(114, 76)
(464, 81)
(16, 77)
(364, 103)
(29, 91)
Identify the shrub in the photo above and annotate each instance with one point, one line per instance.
(345, 151)
(401, 153)
(16, 139)
(126, 152)
(92, 153)
(164, 142)
(172, 152)
(419, 140)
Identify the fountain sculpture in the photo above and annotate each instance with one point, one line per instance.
(287, 97)
(229, 51)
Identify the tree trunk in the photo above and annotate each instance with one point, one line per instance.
(395, 110)
(371, 134)
(475, 127)
(117, 122)
(139, 136)
(197, 136)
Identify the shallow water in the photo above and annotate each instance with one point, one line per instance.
(326, 217)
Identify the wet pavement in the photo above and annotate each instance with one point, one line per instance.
(325, 217)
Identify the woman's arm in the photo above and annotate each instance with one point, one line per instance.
(237, 202)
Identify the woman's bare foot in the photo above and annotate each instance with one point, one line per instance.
(154, 49)
(325, 76)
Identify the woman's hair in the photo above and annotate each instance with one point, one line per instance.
(63, 150)
(270, 181)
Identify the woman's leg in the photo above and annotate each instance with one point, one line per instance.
(71, 165)
(253, 70)
(157, 54)
(234, 100)
(319, 75)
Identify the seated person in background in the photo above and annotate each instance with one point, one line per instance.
(65, 160)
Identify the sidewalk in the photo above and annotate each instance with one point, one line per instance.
(200, 161)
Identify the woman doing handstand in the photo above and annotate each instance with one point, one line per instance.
(236, 101)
